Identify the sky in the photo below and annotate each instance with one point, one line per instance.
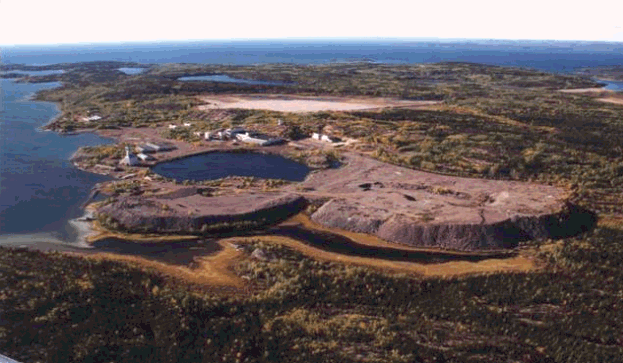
(79, 21)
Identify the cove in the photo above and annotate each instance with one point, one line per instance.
(40, 189)
(218, 165)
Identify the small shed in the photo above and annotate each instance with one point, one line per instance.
(92, 118)
(145, 157)
(326, 138)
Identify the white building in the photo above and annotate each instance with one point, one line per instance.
(129, 159)
(92, 118)
(258, 139)
(160, 146)
(326, 138)
(145, 149)
(172, 127)
(145, 157)
(235, 131)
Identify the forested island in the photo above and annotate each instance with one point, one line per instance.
(308, 285)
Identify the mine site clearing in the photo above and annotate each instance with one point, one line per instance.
(396, 207)
(299, 104)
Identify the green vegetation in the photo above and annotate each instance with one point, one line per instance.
(311, 311)
(603, 72)
(101, 154)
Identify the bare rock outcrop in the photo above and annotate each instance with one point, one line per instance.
(415, 231)
(198, 214)
(424, 209)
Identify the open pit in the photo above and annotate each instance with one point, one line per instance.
(216, 165)
(399, 205)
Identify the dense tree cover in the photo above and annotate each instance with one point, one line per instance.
(59, 308)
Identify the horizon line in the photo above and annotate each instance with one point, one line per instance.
(308, 39)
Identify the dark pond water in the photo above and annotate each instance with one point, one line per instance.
(132, 71)
(177, 253)
(40, 190)
(227, 79)
(220, 165)
(336, 243)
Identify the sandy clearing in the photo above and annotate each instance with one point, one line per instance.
(306, 104)
(584, 90)
(618, 101)
(600, 94)
(213, 270)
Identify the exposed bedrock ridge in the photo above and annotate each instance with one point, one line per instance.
(136, 215)
(506, 233)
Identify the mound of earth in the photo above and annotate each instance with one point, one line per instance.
(198, 214)
(423, 209)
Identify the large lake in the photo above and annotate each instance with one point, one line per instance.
(553, 56)
(40, 190)
(212, 166)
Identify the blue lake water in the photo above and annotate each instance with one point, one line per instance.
(612, 85)
(132, 71)
(227, 79)
(212, 166)
(40, 190)
(546, 55)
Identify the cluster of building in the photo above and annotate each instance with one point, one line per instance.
(243, 135)
(185, 124)
(144, 152)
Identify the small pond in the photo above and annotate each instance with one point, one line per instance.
(227, 79)
(132, 71)
(212, 166)
(612, 85)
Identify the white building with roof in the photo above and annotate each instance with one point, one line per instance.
(130, 159)
(92, 118)
(145, 157)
